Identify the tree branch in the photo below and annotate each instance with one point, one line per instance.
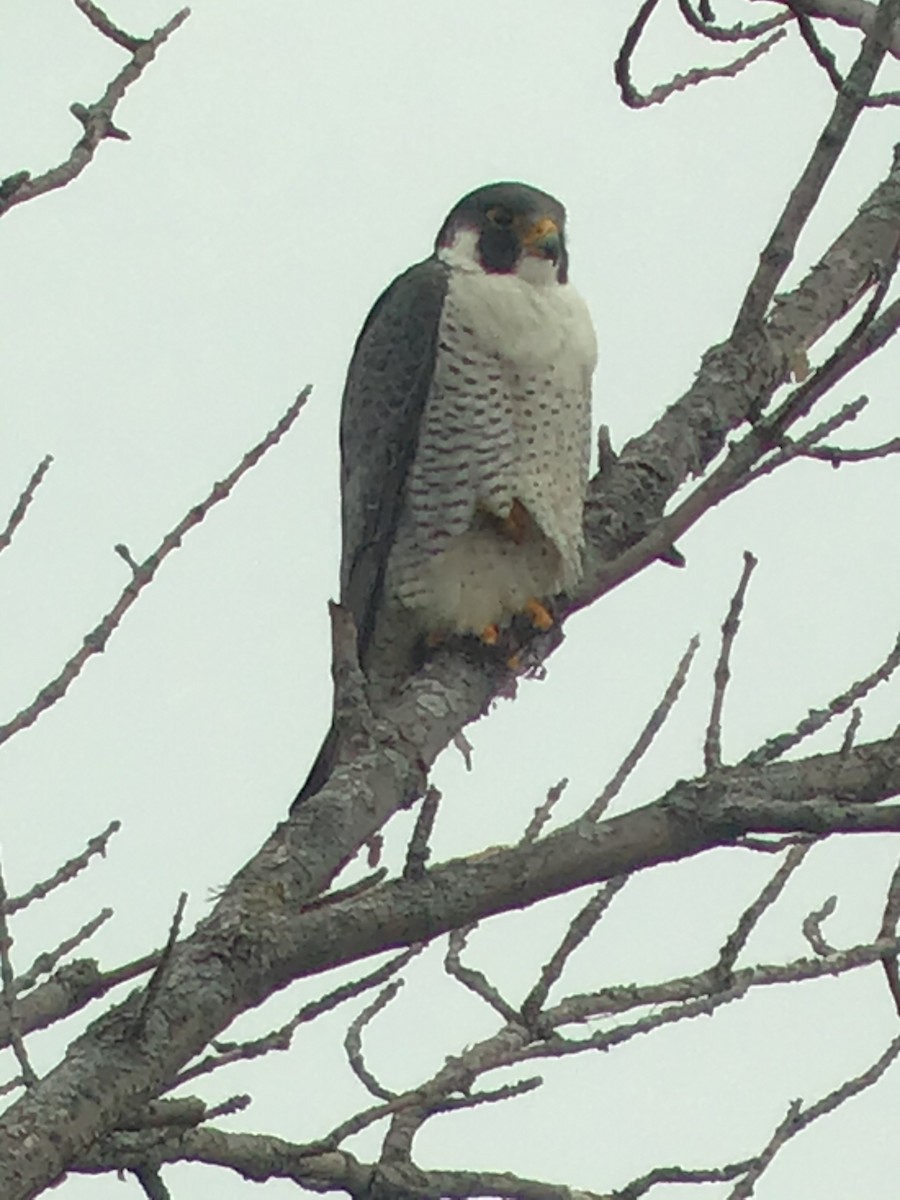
(852, 14)
(95, 642)
(17, 516)
(849, 103)
(259, 937)
(96, 119)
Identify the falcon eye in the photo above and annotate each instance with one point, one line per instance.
(500, 216)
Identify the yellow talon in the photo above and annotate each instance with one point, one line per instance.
(540, 616)
(490, 635)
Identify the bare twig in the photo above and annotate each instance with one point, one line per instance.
(812, 927)
(852, 14)
(804, 447)
(104, 25)
(433, 1099)
(743, 1189)
(473, 979)
(465, 748)
(845, 414)
(418, 853)
(490, 1096)
(852, 1087)
(353, 1041)
(360, 1121)
(127, 557)
(751, 915)
(798, 1118)
(95, 641)
(657, 719)
(679, 83)
(544, 811)
(851, 731)
(821, 54)
(47, 961)
(96, 120)
(817, 719)
(232, 1105)
(662, 1175)
(67, 872)
(614, 1000)
(849, 103)
(581, 927)
(730, 627)
(17, 516)
(157, 979)
(685, 999)
(774, 845)
(736, 471)
(29, 1078)
(837, 455)
(633, 34)
(734, 33)
(280, 1039)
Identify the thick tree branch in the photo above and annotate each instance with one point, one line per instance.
(69, 990)
(736, 380)
(258, 939)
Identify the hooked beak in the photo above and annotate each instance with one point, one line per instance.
(541, 239)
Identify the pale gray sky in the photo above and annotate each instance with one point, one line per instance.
(158, 315)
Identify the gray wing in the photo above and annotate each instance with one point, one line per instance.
(387, 385)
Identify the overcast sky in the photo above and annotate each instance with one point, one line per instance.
(156, 318)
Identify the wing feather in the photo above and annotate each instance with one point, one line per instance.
(388, 382)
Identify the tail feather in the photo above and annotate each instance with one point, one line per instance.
(320, 771)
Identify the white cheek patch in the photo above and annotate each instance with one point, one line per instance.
(462, 253)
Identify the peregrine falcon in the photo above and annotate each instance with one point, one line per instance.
(465, 436)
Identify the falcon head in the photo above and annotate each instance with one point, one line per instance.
(507, 229)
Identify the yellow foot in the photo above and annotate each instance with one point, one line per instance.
(514, 662)
(490, 635)
(540, 616)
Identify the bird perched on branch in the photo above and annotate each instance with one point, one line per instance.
(465, 438)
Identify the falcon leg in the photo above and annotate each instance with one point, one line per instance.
(538, 614)
(517, 523)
